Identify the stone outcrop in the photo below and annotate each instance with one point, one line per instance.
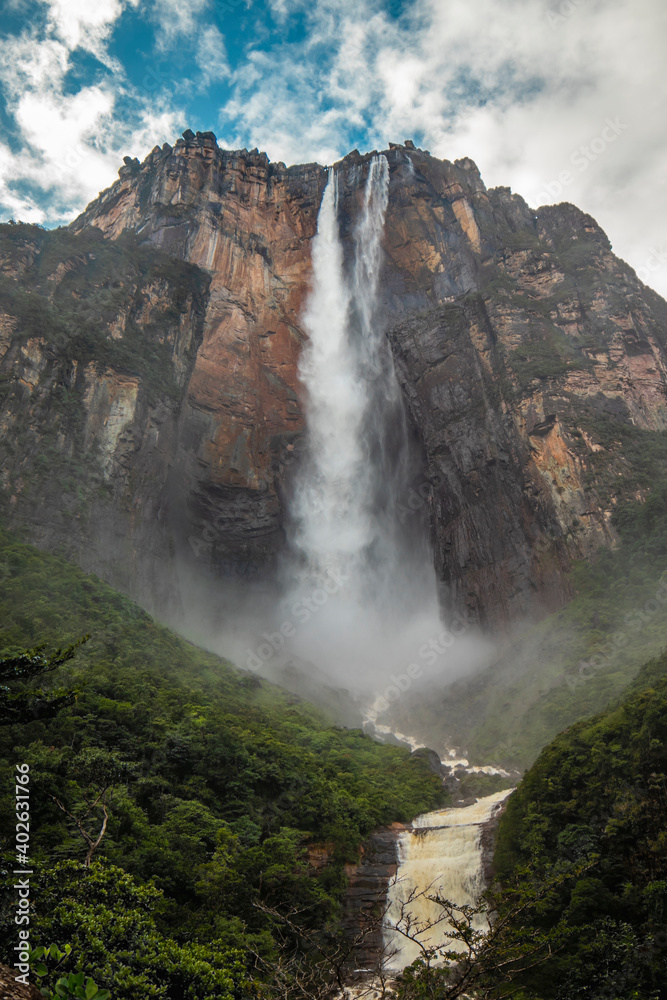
(96, 358)
(366, 895)
(515, 333)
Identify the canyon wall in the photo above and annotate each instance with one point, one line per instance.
(532, 362)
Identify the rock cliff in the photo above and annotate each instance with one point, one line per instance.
(532, 362)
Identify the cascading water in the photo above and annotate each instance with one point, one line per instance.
(347, 485)
(439, 856)
(330, 504)
(367, 579)
(361, 581)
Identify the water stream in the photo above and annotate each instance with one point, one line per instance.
(439, 855)
(366, 577)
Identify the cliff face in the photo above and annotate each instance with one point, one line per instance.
(97, 348)
(519, 341)
(248, 224)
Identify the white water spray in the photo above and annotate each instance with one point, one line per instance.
(332, 524)
(362, 583)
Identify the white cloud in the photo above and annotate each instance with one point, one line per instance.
(70, 144)
(211, 54)
(176, 19)
(503, 81)
(85, 24)
(508, 82)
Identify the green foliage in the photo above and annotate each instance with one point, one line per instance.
(29, 703)
(478, 785)
(75, 285)
(72, 985)
(635, 520)
(580, 255)
(109, 920)
(545, 356)
(598, 792)
(523, 239)
(631, 464)
(486, 956)
(80, 307)
(214, 781)
(577, 661)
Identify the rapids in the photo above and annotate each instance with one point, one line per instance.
(440, 854)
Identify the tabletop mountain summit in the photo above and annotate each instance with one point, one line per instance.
(152, 406)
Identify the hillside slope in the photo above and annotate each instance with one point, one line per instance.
(572, 663)
(597, 798)
(218, 786)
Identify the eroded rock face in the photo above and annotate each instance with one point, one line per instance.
(514, 333)
(89, 419)
(366, 895)
(248, 224)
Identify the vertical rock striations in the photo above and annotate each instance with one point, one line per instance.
(532, 362)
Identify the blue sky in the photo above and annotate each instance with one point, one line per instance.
(559, 99)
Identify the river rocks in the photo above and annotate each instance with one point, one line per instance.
(487, 841)
(433, 759)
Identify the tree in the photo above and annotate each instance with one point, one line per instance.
(112, 923)
(25, 705)
(484, 949)
(97, 771)
(487, 948)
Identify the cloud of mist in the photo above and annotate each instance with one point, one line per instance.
(356, 605)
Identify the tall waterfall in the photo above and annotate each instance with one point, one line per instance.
(367, 579)
(439, 855)
(333, 492)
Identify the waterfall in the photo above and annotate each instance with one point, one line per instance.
(330, 509)
(361, 603)
(361, 582)
(439, 855)
(353, 401)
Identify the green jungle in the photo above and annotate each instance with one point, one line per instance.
(215, 790)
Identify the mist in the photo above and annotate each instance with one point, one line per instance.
(356, 604)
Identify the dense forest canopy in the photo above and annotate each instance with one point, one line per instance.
(215, 784)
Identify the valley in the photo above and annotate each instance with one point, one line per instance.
(349, 486)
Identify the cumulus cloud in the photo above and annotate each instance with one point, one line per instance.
(86, 25)
(211, 54)
(176, 20)
(67, 145)
(521, 86)
(524, 87)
